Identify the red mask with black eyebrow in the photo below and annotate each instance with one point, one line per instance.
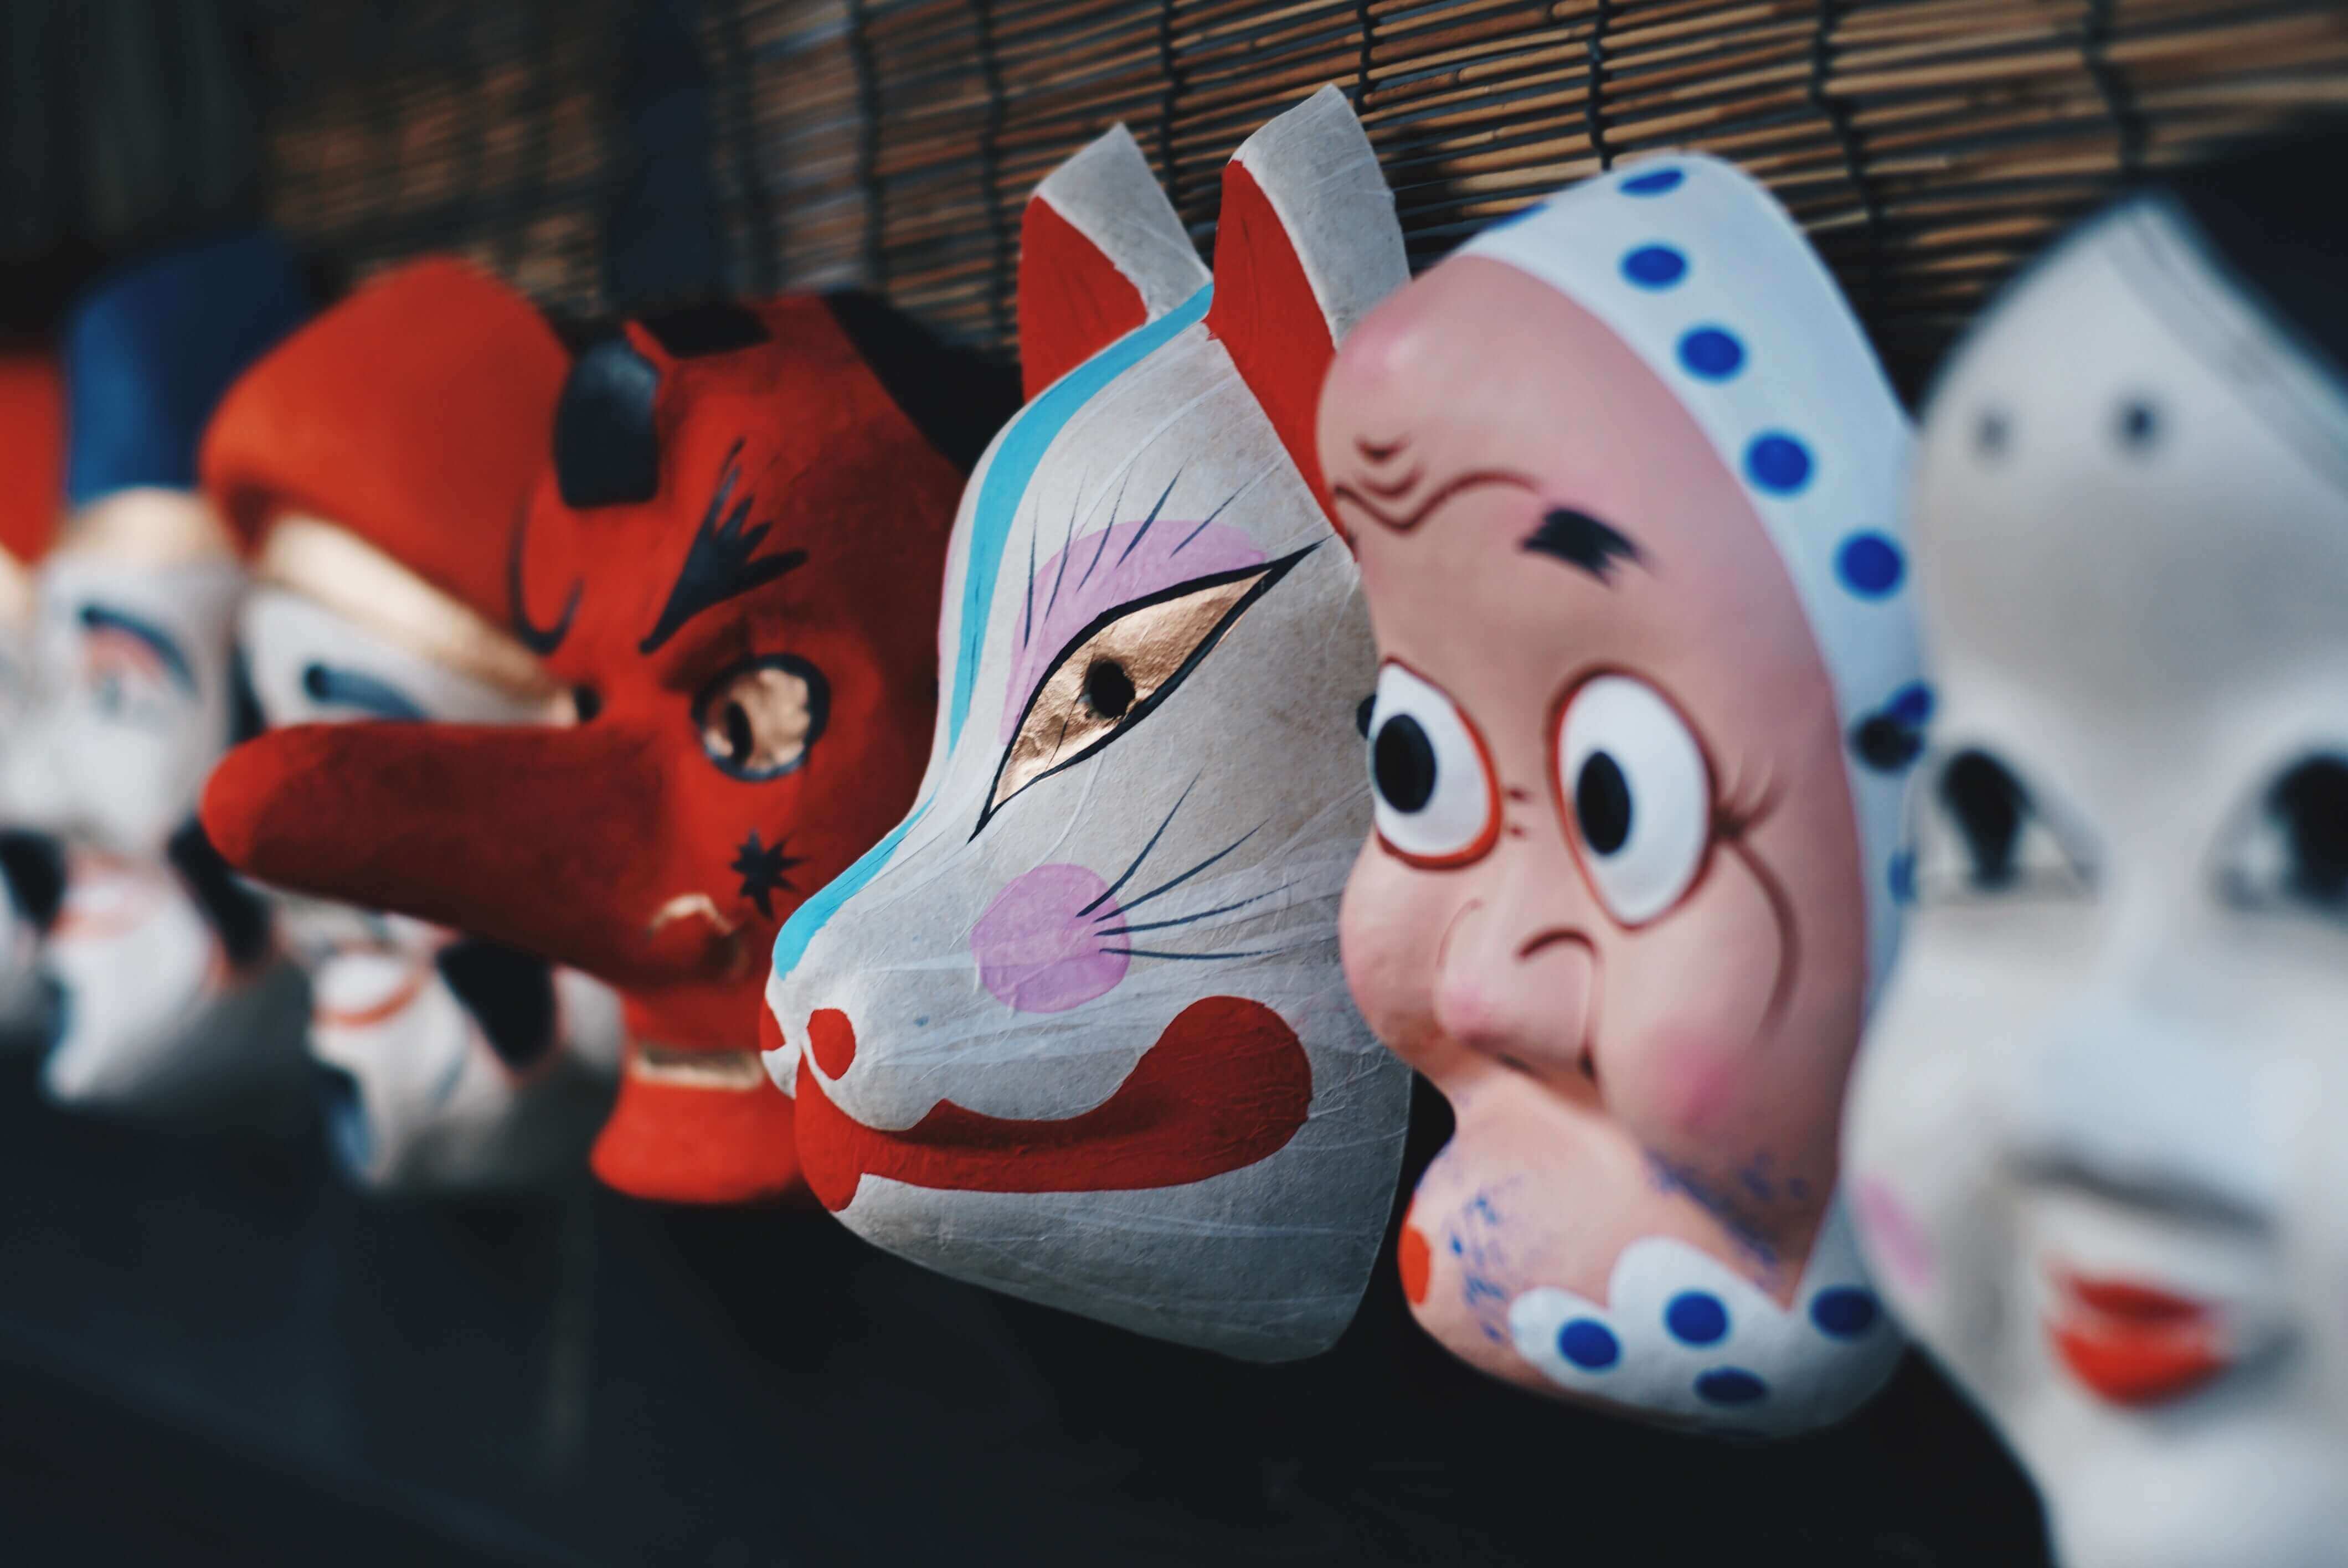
(735, 561)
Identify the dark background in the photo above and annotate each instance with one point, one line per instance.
(212, 1353)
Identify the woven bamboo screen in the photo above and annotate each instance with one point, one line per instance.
(1927, 145)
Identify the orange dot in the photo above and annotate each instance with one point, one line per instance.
(1415, 1259)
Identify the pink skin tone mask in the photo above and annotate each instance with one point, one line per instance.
(1616, 906)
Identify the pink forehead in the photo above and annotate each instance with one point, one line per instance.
(1102, 570)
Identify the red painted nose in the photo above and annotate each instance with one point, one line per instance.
(546, 840)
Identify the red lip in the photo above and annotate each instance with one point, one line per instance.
(1226, 1085)
(2134, 1344)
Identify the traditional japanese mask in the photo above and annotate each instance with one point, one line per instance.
(734, 562)
(1074, 1029)
(2087, 1146)
(1622, 477)
(32, 500)
(170, 1001)
(378, 461)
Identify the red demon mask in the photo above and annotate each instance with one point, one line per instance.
(736, 562)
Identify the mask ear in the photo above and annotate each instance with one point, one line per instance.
(1307, 243)
(1100, 252)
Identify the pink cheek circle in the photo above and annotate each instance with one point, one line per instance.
(1049, 941)
(1897, 1238)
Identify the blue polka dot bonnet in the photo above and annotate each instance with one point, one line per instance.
(1696, 268)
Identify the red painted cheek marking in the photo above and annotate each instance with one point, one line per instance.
(1414, 1260)
(832, 1039)
(1227, 1085)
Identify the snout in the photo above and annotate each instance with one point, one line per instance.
(544, 840)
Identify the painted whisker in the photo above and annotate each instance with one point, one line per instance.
(1174, 882)
(1203, 914)
(1110, 891)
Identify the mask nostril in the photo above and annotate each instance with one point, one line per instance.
(831, 1041)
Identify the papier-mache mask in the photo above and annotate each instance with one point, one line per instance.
(378, 463)
(1075, 1029)
(734, 560)
(32, 500)
(170, 999)
(2081, 1143)
(1624, 478)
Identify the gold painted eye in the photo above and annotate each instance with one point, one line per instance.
(759, 719)
(1126, 662)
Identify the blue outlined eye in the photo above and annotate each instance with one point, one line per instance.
(332, 686)
(760, 718)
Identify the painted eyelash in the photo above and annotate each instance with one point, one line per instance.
(1740, 810)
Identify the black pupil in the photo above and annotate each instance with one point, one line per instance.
(1108, 688)
(1602, 803)
(1989, 804)
(2311, 802)
(1402, 761)
(737, 735)
(586, 701)
(313, 681)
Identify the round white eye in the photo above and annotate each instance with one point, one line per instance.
(1636, 792)
(1436, 802)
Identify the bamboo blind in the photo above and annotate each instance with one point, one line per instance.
(1928, 145)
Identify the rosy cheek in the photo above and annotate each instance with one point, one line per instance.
(1052, 940)
(1894, 1234)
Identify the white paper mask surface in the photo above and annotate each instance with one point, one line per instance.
(2079, 1141)
(445, 1066)
(1075, 1028)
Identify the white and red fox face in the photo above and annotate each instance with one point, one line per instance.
(1077, 1029)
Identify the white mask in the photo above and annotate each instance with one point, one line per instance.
(2080, 1141)
(1075, 1029)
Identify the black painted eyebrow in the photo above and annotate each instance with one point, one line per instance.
(1581, 541)
(719, 564)
(106, 618)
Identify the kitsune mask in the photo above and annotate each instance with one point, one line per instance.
(1074, 1029)
(1620, 475)
(2079, 1141)
(734, 562)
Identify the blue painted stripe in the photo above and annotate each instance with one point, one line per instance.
(1006, 483)
(1000, 494)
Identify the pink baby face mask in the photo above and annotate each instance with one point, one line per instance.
(1623, 481)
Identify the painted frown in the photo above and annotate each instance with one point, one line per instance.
(1630, 808)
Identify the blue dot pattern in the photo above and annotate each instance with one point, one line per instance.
(1711, 353)
(1696, 1317)
(1845, 1312)
(1869, 565)
(1653, 183)
(1588, 1344)
(1777, 462)
(1911, 704)
(1654, 266)
(1730, 1386)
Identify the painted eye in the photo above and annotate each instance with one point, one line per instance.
(1981, 833)
(2291, 850)
(1636, 795)
(1434, 800)
(759, 719)
(332, 686)
(1117, 671)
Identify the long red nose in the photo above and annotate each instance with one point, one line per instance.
(546, 840)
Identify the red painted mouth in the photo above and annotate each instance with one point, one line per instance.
(1226, 1085)
(2134, 1344)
